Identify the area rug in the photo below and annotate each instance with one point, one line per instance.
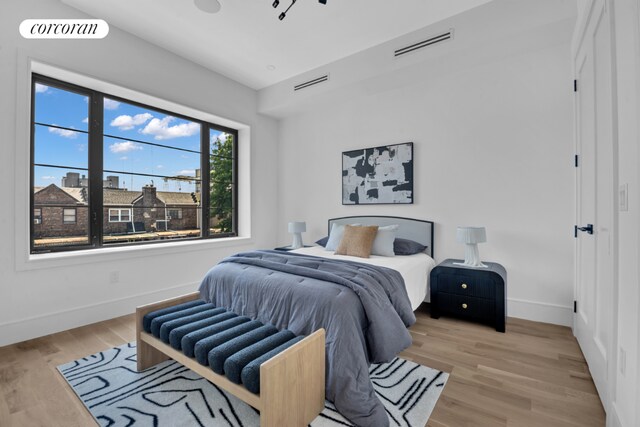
(170, 395)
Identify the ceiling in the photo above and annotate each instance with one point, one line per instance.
(246, 42)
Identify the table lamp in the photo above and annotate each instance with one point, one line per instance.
(297, 228)
(471, 236)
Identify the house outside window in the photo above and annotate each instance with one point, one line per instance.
(69, 216)
(113, 171)
(175, 213)
(119, 215)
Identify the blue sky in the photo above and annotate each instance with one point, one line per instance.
(67, 148)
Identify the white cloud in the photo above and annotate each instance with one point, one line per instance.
(160, 167)
(124, 147)
(161, 129)
(110, 104)
(85, 120)
(82, 147)
(49, 178)
(126, 122)
(124, 158)
(66, 133)
(187, 172)
(41, 88)
(221, 137)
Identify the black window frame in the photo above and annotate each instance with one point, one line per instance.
(96, 172)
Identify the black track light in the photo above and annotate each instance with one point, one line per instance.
(284, 14)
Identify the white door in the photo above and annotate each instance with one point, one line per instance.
(593, 321)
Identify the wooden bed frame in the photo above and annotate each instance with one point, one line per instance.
(292, 383)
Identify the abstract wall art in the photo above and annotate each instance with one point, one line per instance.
(379, 175)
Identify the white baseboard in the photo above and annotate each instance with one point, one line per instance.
(540, 312)
(37, 326)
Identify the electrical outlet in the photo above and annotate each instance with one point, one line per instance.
(623, 361)
(114, 277)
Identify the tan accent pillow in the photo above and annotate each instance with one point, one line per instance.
(357, 241)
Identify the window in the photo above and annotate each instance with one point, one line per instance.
(119, 215)
(175, 213)
(127, 169)
(69, 216)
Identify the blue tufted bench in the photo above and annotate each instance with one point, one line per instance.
(281, 375)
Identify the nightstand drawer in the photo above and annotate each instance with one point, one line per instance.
(466, 306)
(461, 284)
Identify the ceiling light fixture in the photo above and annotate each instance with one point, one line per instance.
(208, 6)
(284, 14)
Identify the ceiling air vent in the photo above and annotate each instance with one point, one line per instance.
(311, 82)
(428, 42)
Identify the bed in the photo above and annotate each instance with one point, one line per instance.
(364, 307)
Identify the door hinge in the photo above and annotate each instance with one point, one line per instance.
(575, 85)
(575, 231)
(575, 306)
(576, 160)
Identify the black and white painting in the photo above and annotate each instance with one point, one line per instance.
(380, 175)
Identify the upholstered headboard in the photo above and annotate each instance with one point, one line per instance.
(415, 229)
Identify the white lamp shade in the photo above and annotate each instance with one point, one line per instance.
(471, 235)
(297, 227)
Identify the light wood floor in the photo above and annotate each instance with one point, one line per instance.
(534, 375)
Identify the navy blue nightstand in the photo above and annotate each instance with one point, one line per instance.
(475, 293)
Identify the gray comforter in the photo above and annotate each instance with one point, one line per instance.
(364, 309)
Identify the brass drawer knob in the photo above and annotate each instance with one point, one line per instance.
(464, 306)
(464, 286)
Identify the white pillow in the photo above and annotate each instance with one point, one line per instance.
(335, 236)
(383, 243)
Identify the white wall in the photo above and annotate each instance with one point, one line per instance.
(493, 146)
(40, 298)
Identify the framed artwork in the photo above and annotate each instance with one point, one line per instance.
(379, 175)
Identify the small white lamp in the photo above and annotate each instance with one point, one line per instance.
(471, 236)
(297, 228)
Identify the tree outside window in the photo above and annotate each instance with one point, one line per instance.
(221, 184)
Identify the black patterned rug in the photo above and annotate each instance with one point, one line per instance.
(171, 395)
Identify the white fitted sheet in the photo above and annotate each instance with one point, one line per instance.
(415, 269)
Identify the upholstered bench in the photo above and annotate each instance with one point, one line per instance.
(279, 374)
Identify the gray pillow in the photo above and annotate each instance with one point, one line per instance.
(407, 247)
(383, 243)
(337, 231)
(323, 242)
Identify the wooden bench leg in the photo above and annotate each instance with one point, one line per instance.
(292, 384)
(147, 356)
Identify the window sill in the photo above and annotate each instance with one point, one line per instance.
(64, 259)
